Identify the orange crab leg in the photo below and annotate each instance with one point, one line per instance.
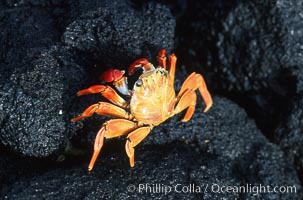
(172, 67)
(110, 129)
(99, 140)
(195, 81)
(162, 58)
(187, 100)
(134, 138)
(106, 91)
(103, 108)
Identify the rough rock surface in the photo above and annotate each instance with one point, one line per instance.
(116, 34)
(35, 103)
(251, 51)
(36, 73)
(248, 51)
(289, 136)
(221, 147)
(40, 76)
(249, 46)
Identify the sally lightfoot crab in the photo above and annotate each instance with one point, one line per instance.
(152, 101)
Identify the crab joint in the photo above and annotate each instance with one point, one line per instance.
(122, 86)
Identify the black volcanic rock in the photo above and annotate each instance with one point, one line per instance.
(251, 51)
(35, 103)
(40, 76)
(247, 46)
(289, 136)
(34, 75)
(25, 32)
(248, 51)
(116, 34)
(221, 147)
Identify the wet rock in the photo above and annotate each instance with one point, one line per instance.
(116, 34)
(222, 147)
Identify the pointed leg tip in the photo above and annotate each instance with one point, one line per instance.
(91, 166)
(73, 120)
(184, 120)
(76, 119)
(83, 92)
(132, 162)
(207, 108)
(79, 93)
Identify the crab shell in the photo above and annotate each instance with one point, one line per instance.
(153, 97)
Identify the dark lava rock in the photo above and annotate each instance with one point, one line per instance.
(33, 78)
(248, 45)
(116, 34)
(35, 103)
(40, 77)
(289, 136)
(251, 51)
(251, 46)
(12, 167)
(25, 32)
(222, 147)
(49, 50)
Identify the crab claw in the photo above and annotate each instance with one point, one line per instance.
(140, 63)
(112, 75)
(116, 77)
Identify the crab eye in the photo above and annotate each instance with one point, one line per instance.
(139, 82)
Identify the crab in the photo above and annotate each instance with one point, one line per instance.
(151, 101)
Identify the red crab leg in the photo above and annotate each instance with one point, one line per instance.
(134, 138)
(140, 63)
(106, 91)
(193, 82)
(103, 108)
(187, 100)
(162, 58)
(110, 129)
